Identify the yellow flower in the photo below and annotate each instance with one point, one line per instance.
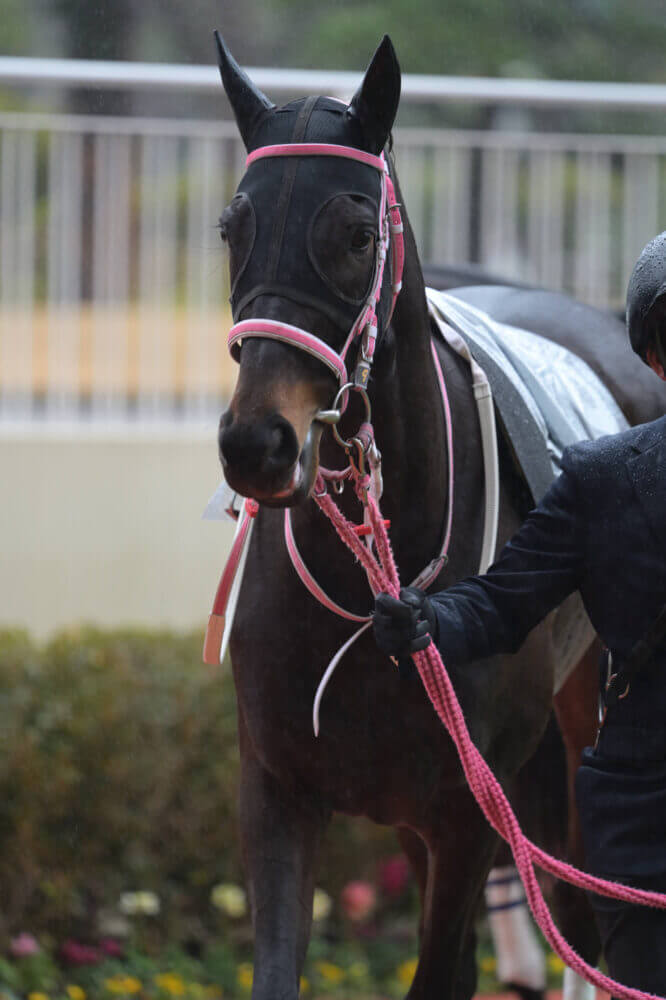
(358, 970)
(407, 971)
(488, 963)
(230, 899)
(75, 992)
(321, 905)
(38, 996)
(304, 985)
(331, 973)
(555, 963)
(171, 983)
(244, 976)
(123, 985)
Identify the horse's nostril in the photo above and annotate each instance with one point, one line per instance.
(269, 447)
(284, 445)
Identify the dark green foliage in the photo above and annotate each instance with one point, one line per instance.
(118, 772)
(571, 39)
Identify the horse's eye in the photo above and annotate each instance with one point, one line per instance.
(361, 239)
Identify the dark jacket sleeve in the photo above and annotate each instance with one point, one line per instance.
(535, 571)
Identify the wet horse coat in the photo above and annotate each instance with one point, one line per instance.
(382, 752)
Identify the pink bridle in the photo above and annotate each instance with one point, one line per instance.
(365, 325)
(391, 238)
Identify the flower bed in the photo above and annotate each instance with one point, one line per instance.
(119, 859)
(355, 969)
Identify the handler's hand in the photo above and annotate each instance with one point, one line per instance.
(404, 626)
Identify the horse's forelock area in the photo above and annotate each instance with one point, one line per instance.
(596, 336)
(327, 123)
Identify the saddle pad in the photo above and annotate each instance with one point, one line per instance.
(546, 396)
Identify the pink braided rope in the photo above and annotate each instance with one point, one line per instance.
(383, 576)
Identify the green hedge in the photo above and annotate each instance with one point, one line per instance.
(118, 772)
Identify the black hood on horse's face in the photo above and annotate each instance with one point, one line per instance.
(282, 200)
(286, 207)
(304, 238)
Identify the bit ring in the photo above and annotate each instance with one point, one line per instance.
(347, 444)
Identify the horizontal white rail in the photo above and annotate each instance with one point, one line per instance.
(113, 281)
(111, 74)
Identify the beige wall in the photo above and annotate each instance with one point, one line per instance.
(105, 527)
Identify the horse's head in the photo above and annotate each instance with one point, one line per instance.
(308, 235)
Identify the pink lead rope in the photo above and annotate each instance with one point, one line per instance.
(383, 576)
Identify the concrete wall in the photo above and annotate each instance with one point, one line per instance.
(104, 526)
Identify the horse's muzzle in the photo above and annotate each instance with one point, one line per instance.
(261, 459)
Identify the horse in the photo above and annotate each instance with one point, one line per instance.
(306, 240)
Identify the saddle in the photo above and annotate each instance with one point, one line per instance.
(545, 396)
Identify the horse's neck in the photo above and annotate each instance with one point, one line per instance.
(410, 429)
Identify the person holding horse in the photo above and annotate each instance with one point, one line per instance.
(600, 529)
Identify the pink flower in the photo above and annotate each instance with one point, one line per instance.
(23, 945)
(75, 953)
(358, 900)
(111, 948)
(394, 875)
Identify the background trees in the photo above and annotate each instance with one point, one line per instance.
(566, 39)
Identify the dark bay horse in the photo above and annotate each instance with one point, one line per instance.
(304, 234)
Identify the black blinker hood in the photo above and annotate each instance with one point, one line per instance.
(287, 193)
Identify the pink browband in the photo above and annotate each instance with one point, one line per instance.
(317, 149)
(365, 324)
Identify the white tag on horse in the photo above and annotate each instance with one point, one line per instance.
(224, 505)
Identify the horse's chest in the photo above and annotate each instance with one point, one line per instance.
(380, 749)
(379, 740)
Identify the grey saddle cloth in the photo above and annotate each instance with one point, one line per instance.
(545, 396)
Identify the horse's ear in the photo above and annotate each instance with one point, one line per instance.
(375, 103)
(247, 101)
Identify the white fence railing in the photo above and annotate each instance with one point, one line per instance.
(120, 75)
(113, 284)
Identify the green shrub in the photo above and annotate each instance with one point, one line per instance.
(118, 772)
(118, 767)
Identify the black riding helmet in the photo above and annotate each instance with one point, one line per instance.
(646, 300)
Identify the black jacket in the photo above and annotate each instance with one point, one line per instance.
(600, 529)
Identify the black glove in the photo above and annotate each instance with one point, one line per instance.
(404, 626)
